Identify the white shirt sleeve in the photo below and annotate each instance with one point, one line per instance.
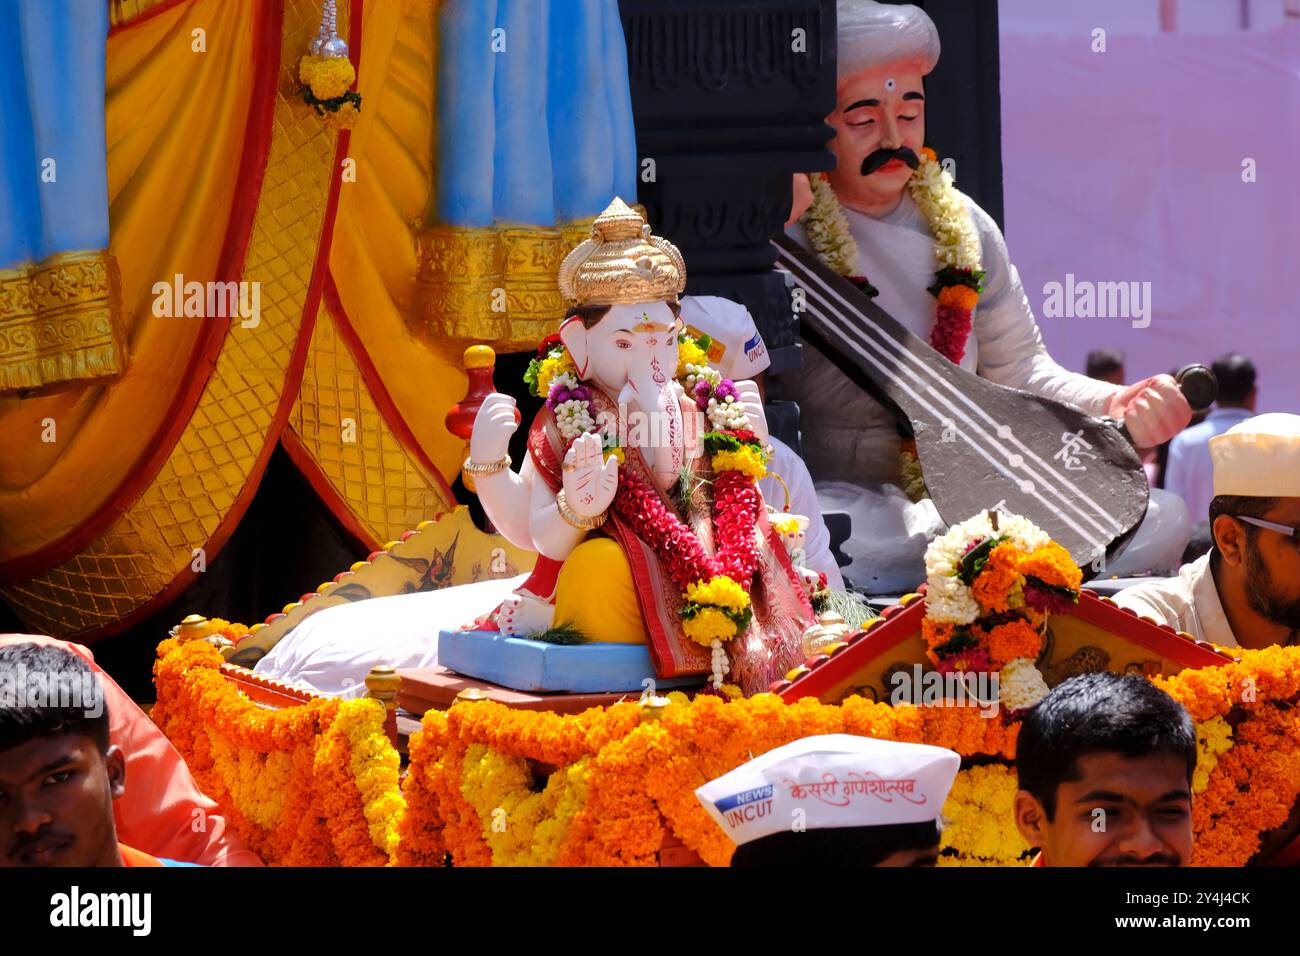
(1011, 349)
(1177, 470)
(803, 501)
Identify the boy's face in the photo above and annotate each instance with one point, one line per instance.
(1121, 811)
(56, 802)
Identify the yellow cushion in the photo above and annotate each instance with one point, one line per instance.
(596, 595)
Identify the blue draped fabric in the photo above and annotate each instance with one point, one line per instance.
(539, 132)
(52, 55)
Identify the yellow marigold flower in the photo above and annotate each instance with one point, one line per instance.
(551, 367)
(721, 591)
(345, 117)
(688, 353)
(328, 77)
(746, 460)
(709, 625)
(784, 524)
(615, 453)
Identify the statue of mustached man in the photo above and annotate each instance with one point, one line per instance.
(640, 487)
(891, 220)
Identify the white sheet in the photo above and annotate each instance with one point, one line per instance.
(332, 651)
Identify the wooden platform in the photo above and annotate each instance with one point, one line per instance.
(435, 688)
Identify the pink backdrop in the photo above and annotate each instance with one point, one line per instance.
(1127, 166)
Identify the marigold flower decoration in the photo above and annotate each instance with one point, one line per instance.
(327, 74)
(310, 785)
(990, 583)
(957, 248)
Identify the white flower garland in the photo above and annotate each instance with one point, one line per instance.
(956, 240)
(720, 666)
(947, 599)
(1020, 684)
(573, 418)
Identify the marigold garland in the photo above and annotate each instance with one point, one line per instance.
(326, 87)
(313, 785)
(957, 248)
(620, 785)
(980, 821)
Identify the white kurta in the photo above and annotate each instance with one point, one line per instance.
(848, 435)
(803, 501)
(851, 441)
(1189, 602)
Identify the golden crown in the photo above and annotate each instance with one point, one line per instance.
(621, 262)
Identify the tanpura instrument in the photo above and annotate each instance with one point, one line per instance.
(982, 445)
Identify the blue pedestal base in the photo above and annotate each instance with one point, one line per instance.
(521, 664)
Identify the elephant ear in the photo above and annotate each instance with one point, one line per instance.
(574, 336)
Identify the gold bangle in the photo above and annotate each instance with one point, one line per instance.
(473, 468)
(575, 520)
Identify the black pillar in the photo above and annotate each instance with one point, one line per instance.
(730, 100)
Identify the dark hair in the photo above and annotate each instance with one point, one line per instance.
(845, 846)
(1098, 713)
(70, 692)
(592, 314)
(1239, 505)
(1103, 362)
(1236, 376)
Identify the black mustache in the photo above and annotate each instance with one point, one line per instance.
(881, 156)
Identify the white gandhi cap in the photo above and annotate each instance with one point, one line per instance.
(1258, 458)
(871, 34)
(737, 351)
(837, 780)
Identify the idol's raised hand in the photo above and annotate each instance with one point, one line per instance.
(589, 480)
(495, 422)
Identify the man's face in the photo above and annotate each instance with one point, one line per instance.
(879, 124)
(1272, 567)
(56, 802)
(1121, 812)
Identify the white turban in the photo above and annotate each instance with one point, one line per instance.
(1258, 458)
(871, 34)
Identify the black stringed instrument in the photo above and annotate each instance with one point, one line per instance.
(982, 445)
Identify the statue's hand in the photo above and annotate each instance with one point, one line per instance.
(589, 480)
(1154, 410)
(748, 395)
(493, 425)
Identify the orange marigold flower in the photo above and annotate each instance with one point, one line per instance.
(999, 578)
(1012, 640)
(960, 296)
(1053, 565)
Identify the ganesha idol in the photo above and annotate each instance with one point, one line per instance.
(638, 492)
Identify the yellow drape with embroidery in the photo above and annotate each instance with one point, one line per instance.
(175, 131)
